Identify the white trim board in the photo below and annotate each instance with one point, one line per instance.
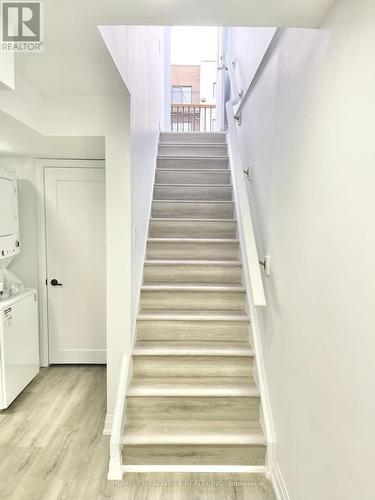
(119, 417)
(278, 482)
(107, 429)
(244, 469)
(40, 166)
(249, 260)
(144, 249)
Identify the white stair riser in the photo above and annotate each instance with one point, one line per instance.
(155, 330)
(191, 177)
(194, 455)
(183, 250)
(201, 408)
(193, 163)
(192, 274)
(195, 210)
(193, 150)
(192, 366)
(212, 193)
(197, 138)
(228, 301)
(193, 229)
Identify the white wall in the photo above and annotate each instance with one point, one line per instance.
(7, 80)
(18, 139)
(139, 54)
(58, 115)
(308, 129)
(250, 45)
(166, 125)
(118, 225)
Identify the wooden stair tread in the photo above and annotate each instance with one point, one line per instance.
(193, 386)
(198, 144)
(193, 287)
(190, 157)
(190, 262)
(192, 315)
(194, 144)
(209, 202)
(210, 432)
(192, 240)
(192, 348)
(192, 170)
(173, 219)
(161, 184)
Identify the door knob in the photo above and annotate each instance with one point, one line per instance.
(54, 282)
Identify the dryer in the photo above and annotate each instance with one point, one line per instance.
(9, 225)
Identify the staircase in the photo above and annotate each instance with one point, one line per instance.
(192, 400)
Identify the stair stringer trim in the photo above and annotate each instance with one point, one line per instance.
(278, 482)
(141, 276)
(118, 420)
(266, 419)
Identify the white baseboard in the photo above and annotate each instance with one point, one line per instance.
(108, 425)
(278, 482)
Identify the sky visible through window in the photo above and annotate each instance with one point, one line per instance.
(193, 44)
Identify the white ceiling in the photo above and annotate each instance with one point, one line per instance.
(18, 139)
(76, 61)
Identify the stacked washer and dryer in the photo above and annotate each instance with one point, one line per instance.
(19, 331)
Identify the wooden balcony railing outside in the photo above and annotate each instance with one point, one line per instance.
(193, 117)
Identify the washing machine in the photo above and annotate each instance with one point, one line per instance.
(19, 345)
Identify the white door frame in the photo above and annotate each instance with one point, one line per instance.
(220, 89)
(41, 166)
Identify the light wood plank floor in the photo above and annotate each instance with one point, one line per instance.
(52, 447)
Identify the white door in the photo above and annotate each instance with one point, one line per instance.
(75, 237)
